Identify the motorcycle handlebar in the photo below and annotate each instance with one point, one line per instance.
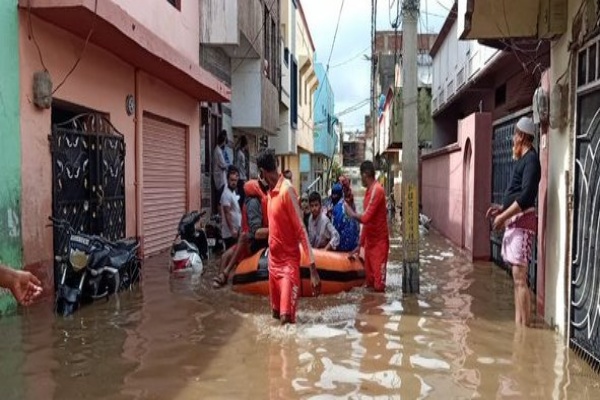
(61, 224)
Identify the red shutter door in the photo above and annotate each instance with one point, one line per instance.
(165, 182)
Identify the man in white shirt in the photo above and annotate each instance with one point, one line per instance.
(321, 232)
(220, 165)
(231, 214)
(240, 158)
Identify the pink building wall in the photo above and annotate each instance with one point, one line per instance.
(101, 82)
(178, 28)
(544, 154)
(441, 185)
(456, 186)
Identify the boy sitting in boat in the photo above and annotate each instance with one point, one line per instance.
(321, 233)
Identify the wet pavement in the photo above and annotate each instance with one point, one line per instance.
(180, 339)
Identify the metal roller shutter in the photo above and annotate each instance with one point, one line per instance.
(165, 182)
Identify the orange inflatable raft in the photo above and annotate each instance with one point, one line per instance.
(337, 273)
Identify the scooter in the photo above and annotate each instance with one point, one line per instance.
(190, 245)
(93, 268)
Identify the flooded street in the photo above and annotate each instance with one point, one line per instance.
(180, 339)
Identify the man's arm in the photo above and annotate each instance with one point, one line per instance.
(262, 234)
(221, 160)
(226, 205)
(7, 276)
(529, 185)
(255, 217)
(24, 286)
(228, 218)
(376, 201)
(334, 235)
(291, 201)
(529, 189)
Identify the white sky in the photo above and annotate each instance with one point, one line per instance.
(350, 81)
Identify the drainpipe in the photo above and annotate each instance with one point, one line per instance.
(138, 157)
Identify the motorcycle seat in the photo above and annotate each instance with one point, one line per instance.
(128, 244)
(184, 245)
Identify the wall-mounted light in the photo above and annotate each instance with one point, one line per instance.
(42, 89)
(130, 104)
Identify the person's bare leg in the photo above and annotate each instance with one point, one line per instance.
(226, 258)
(516, 298)
(234, 260)
(221, 278)
(522, 296)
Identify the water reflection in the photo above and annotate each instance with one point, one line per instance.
(176, 338)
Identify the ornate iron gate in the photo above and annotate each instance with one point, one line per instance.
(585, 271)
(502, 167)
(88, 169)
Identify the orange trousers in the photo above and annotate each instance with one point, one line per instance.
(284, 290)
(376, 257)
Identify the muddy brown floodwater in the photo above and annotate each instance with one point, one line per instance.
(180, 339)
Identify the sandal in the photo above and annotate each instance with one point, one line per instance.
(220, 280)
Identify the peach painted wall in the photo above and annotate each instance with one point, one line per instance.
(445, 186)
(442, 191)
(544, 153)
(478, 129)
(180, 109)
(180, 29)
(101, 82)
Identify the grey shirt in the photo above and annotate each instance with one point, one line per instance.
(321, 232)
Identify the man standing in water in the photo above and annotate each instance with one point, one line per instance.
(374, 237)
(518, 216)
(286, 231)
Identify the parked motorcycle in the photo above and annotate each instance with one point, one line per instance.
(93, 268)
(190, 245)
(213, 234)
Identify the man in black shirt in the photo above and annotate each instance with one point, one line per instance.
(517, 214)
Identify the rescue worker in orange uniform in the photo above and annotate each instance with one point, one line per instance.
(374, 237)
(286, 231)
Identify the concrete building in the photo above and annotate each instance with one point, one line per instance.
(353, 148)
(299, 83)
(472, 79)
(240, 44)
(125, 75)
(569, 137)
(388, 134)
(325, 139)
(388, 54)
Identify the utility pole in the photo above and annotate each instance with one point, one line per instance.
(370, 141)
(410, 149)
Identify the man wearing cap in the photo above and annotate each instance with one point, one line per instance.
(517, 215)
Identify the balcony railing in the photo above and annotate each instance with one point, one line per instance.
(222, 21)
(460, 78)
(450, 89)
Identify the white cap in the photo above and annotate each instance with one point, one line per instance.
(526, 125)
